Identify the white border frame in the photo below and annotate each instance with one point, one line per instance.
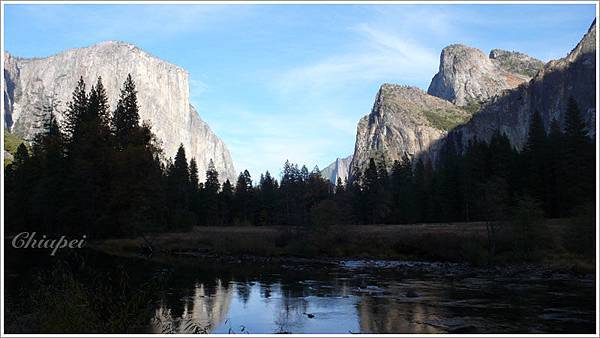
(278, 2)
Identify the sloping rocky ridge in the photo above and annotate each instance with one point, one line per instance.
(163, 96)
(548, 92)
(404, 120)
(466, 75)
(340, 168)
(399, 122)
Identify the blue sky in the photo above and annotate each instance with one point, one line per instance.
(279, 82)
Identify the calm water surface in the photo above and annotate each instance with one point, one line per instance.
(372, 297)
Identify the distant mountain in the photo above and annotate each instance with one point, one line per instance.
(163, 96)
(339, 168)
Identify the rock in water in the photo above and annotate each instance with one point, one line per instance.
(466, 75)
(404, 120)
(338, 169)
(163, 96)
(548, 92)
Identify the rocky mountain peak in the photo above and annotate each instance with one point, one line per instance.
(163, 96)
(404, 120)
(467, 75)
(516, 62)
(585, 48)
(573, 76)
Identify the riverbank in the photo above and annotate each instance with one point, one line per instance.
(295, 295)
(444, 242)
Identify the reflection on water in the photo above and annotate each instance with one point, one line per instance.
(204, 310)
(338, 300)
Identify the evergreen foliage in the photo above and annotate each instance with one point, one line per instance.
(103, 176)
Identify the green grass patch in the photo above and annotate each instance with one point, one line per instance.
(444, 119)
(473, 106)
(11, 143)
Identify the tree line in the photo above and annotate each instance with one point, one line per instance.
(554, 171)
(102, 173)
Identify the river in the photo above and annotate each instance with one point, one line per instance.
(250, 295)
(374, 297)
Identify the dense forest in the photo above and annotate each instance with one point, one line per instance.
(102, 173)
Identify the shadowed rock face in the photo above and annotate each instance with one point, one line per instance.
(407, 120)
(404, 120)
(468, 75)
(339, 168)
(163, 96)
(548, 92)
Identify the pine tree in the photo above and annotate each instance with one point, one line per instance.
(358, 197)
(193, 176)
(182, 212)
(88, 163)
(194, 192)
(180, 172)
(49, 163)
(292, 190)
(212, 179)
(180, 176)
(371, 177)
(579, 167)
(267, 200)
(575, 128)
(210, 194)
(304, 174)
(226, 203)
(126, 116)
(536, 136)
(97, 117)
(371, 187)
(99, 103)
(21, 156)
(317, 189)
(339, 186)
(243, 198)
(75, 110)
(534, 152)
(402, 191)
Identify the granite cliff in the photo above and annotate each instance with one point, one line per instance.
(548, 92)
(506, 88)
(340, 168)
(163, 96)
(404, 120)
(467, 76)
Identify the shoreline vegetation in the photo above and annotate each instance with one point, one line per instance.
(433, 242)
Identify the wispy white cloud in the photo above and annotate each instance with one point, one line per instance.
(197, 89)
(380, 55)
